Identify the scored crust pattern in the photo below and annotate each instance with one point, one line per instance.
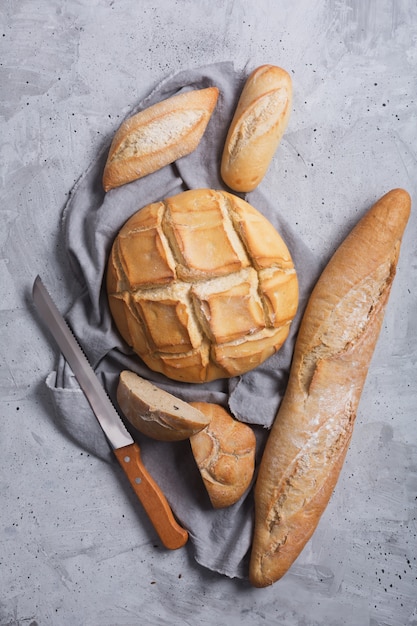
(201, 286)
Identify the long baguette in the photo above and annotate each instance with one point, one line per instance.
(258, 124)
(158, 136)
(309, 439)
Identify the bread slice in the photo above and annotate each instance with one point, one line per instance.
(155, 412)
(225, 454)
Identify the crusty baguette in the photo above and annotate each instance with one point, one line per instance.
(155, 412)
(158, 135)
(258, 124)
(307, 444)
(225, 455)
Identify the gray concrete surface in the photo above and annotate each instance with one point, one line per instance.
(75, 547)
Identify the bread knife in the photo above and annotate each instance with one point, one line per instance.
(126, 450)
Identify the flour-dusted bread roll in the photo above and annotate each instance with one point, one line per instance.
(155, 412)
(225, 455)
(158, 136)
(201, 286)
(310, 436)
(258, 124)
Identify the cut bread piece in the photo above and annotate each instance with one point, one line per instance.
(155, 412)
(225, 455)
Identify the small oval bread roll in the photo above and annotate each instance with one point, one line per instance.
(155, 412)
(225, 454)
(259, 122)
(158, 136)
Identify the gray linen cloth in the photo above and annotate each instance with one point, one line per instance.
(219, 539)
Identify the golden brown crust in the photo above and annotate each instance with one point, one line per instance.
(225, 455)
(158, 135)
(201, 286)
(311, 433)
(258, 124)
(155, 412)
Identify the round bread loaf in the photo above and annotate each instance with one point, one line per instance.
(201, 286)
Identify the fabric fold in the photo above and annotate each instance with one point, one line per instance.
(220, 539)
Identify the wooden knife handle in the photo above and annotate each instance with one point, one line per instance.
(172, 535)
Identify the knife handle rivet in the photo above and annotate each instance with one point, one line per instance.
(138, 480)
(126, 459)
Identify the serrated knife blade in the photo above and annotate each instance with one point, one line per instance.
(126, 450)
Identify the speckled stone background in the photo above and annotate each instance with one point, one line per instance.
(76, 548)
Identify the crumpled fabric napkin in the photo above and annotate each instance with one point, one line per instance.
(219, 539)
